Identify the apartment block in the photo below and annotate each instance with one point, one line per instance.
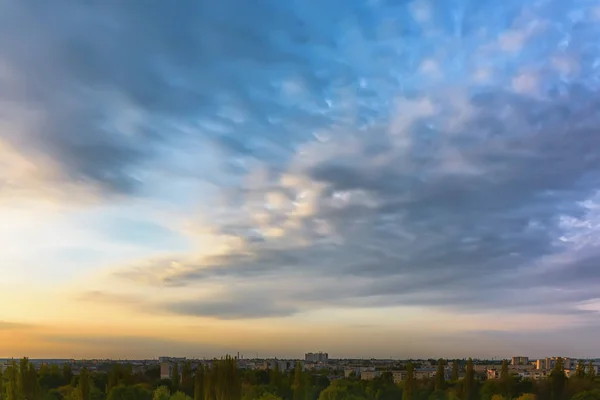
(519, 360)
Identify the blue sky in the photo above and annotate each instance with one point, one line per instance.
(285, 177)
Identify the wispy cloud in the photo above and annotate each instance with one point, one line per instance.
(342, 155)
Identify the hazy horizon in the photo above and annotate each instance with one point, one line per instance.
(368, 178)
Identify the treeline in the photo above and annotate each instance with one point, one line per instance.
(223, 380)
(583, 386)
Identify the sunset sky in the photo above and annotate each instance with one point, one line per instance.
(370, 178)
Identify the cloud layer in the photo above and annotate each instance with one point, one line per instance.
(360, 154)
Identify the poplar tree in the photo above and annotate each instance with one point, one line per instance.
(455, 370)
(504, 370)
(33, 389)
(591, 372)
(175, 377)
(199, 383)
(23, 379)
(84, 387)
(275, 376)
(409, 383)
(209, 390)
(558, 380)
(580, 370)
(187, 379)
(11, 389)
(1, 384)
(469, 381)
(67, 373)
(440, 379)
(298, 385)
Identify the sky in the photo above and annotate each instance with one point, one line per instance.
(369, 178)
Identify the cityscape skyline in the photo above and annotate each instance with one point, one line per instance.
(376, 178)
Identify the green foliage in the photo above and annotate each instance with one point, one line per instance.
(187, 379)
(409, 389)
(580, 370)
(269, 396)
(175, 377)
(341, 390)
(84, 388)
(134, 392)
(179, 395)
(161, 393)
(527, 396)
(591, 372)
(454, 371)
(558, 380)
(469, 392)
(587, 395)
(199, 383)
(440, 379)
(299, 385)
(67, 373)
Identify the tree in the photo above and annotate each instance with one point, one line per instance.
(275, 376)
(161, 393)
(440, 379)
(498, 397)
(408, 392)
(67, 373)
(587, 395)
(580, 370)
(558, 380)
(33, 388)
(84, 387)
(209, 391)
(11, 387)
(455, 371)
(298, 385)
(527, 396)
(199, 383)
(1, 385)
(269, 396)
(504, 370)
(179, 395)
(175, 376)
(591, 372)
(469, 381)
(187, 379)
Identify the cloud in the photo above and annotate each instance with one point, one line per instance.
(402, 231)
(7, 325)
(236, 307)
(101, 297)
(106, 106)
(92, 346)
(343, 176)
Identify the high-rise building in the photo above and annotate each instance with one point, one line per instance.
(322, 358)
(520, 360)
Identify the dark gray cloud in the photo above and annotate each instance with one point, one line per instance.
(419, 234)
(236, 307)
(101, 89)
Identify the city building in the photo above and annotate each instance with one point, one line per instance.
(166, 365)
(422, 373)
(493, 373)
(322, 358)
(399, 376)
(519, 360)
(368, 375)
